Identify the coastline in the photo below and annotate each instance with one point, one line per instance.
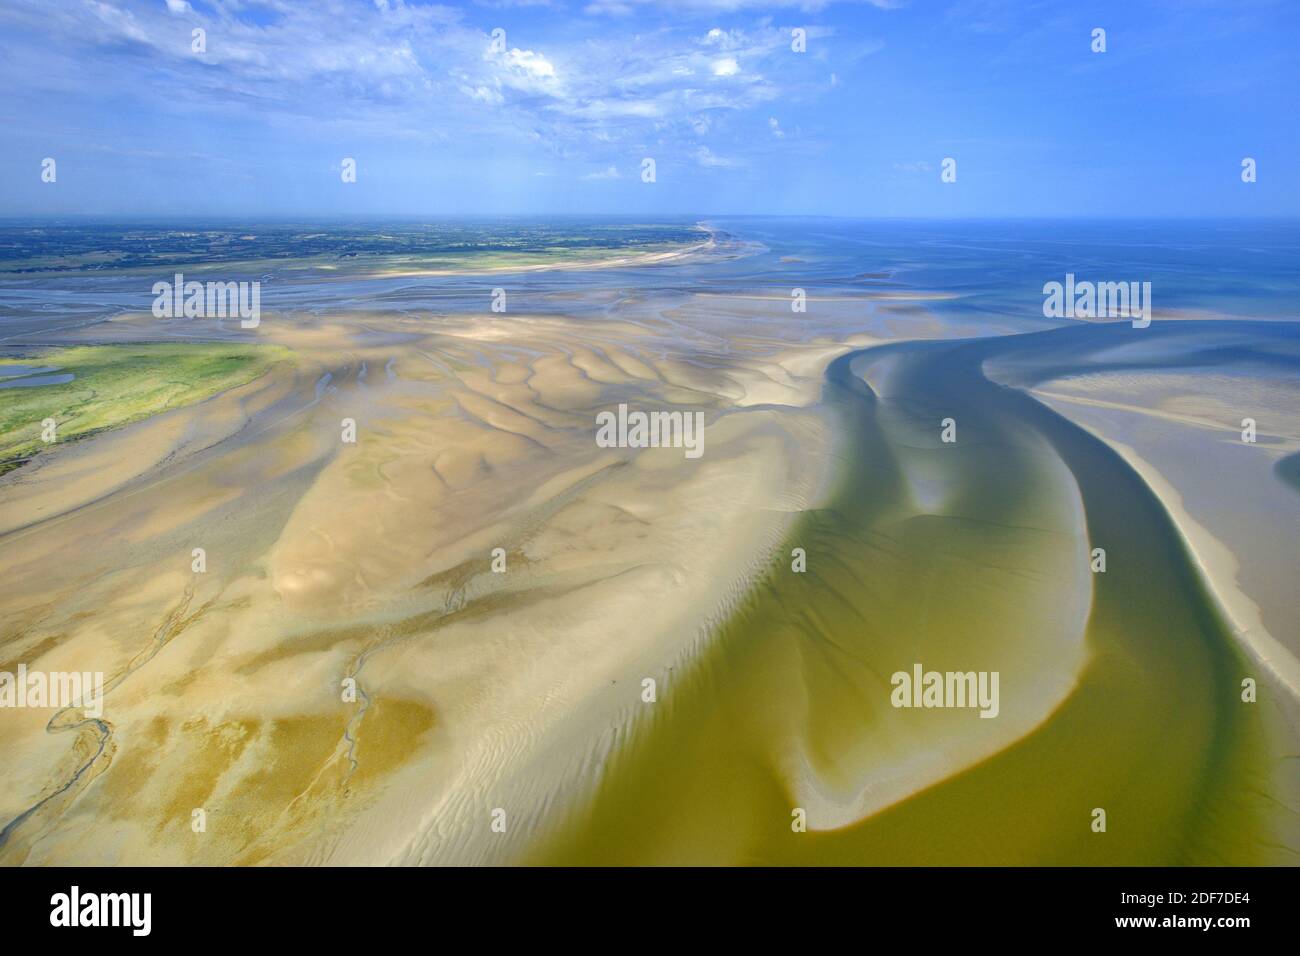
(1217, 563)
(561, 265)
(780, 682)
(519, 688)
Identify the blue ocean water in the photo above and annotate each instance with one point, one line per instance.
(994, 269)
(998, 267)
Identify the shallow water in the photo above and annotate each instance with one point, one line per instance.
(996, 269)
(1154, 734)
(9, 371)
(966, 557)
(33, 380)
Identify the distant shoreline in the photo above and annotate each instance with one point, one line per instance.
(565, 265)
(321, 255)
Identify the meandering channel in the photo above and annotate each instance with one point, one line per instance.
(959, 556)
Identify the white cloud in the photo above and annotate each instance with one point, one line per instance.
(484, 94)
(602, 110)
(609, 172)
(775, 126)
(399, 70)
(524, 71)
(723, 39)
(123, 21)
(530, 62)
(705, 157)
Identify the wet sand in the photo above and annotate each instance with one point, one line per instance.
(1182, 432)
(1147, 724)
(328, 561)
(517, 697)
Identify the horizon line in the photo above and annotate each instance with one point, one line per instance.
(292, 218)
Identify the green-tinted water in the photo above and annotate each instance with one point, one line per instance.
(964, 556)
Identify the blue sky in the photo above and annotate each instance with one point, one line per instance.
(560, 119)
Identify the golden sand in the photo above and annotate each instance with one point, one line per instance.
(329, 562)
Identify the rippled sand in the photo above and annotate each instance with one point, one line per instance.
(501, 716)
(373, 561)
(1122, 692)
(1182, 432)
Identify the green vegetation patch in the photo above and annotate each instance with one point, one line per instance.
(111, 386)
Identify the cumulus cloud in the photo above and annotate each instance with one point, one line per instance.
(394, 70)
(530, 63)
(706, 157)
(484, 94)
